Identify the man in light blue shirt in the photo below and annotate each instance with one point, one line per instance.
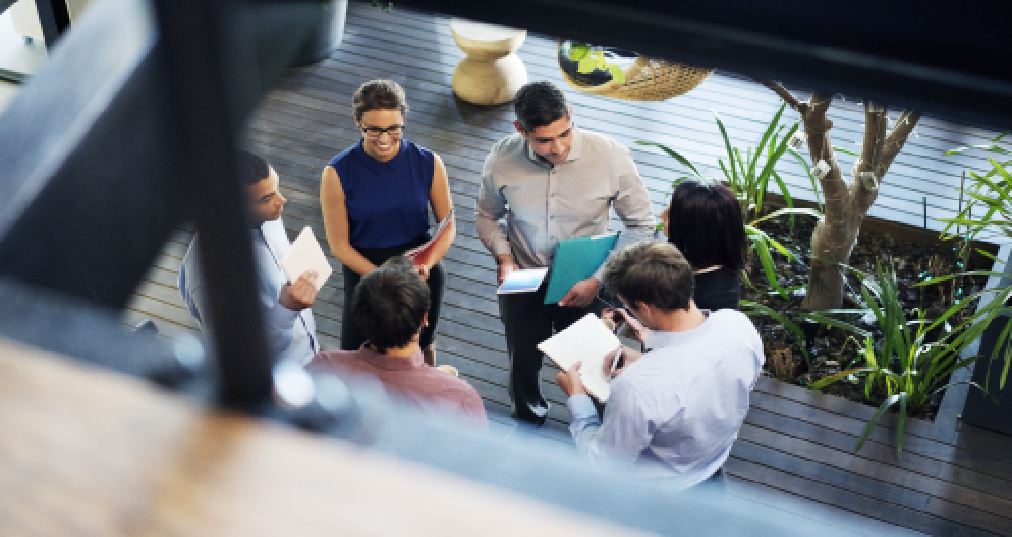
(675, 411)
(290, 327)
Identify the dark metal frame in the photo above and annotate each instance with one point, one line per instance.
(132, 128)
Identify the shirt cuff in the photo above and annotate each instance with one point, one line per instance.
(581, 407)
(281, 317)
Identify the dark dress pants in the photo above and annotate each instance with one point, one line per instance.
(529, 321)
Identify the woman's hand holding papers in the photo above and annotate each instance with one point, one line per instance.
(423, 271)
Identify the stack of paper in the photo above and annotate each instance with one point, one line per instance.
(587, 341)
(306, 254)
(522, 281)
(425, 254)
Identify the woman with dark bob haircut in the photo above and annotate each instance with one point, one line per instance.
(704, 222)
(376, 196)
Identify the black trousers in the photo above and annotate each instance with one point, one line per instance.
(351, 338)
(529, 321)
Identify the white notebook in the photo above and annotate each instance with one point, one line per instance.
(306, 254)
(587, 341)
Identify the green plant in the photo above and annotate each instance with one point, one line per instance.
(590, 58)
(903, 368)
(989, 195)
(748, 173)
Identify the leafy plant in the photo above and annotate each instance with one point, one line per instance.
(749, 174)
(990, 196)
(591, 58)
(902, 368)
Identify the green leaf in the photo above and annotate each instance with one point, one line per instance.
(675, 155)
(578, 51)
(727, 146)
(617, 74)
(847, 151)
(870, 426)
(826, 381)
(586, 65)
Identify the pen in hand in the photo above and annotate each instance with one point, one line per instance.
(615, 362)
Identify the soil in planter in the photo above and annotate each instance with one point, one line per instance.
(835, 349)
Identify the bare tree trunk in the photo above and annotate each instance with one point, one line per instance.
(836, 233)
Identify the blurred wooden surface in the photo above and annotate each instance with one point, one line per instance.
(795, 444)
(87, 452)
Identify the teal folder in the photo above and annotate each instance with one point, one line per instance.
(576, 260)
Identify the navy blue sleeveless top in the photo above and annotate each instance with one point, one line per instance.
(387, 201)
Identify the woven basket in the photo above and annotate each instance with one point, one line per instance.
(647, 79)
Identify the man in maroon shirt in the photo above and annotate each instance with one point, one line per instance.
(390, 306)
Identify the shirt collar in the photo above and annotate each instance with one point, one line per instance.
(659, 338)
(574, 151)
(394, 164)
(391, 363)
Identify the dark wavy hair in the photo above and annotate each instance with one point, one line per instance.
(390, 303)
(538, 104)
(650, 272)
(379, 94)
(705, 224)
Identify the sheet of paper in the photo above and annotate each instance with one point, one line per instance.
(306, 254)
(587, 341)
(423, 253)
(523, 281)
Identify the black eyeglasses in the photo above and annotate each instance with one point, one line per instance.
(376, 132)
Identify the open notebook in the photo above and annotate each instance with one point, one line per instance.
(589, 341)
(306, 254)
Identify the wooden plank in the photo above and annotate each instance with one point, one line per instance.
(843, 499)
(818, 514)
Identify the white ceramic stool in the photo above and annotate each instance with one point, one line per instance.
(491, 73)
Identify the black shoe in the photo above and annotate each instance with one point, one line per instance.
(146, 327)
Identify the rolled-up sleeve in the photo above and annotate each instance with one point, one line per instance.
(625, 433)
(632, 205)
(490, 208)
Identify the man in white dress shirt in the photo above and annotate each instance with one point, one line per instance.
(675, 411)
(290, 327)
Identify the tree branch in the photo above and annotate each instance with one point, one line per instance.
(783, 92)
(875, 124)
(897, 137)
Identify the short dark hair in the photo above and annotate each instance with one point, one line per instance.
(379, 94)
(538, 104)
(390, 303)
(654, 273)
(705, 224)
(252, 168)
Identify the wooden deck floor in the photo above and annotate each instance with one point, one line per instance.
(794, 452)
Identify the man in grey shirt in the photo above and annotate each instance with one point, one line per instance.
(551, 181)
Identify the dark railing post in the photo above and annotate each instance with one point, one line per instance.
(198, 39)
(54, 17)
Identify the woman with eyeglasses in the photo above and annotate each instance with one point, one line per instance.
(704, 222)
(375, 197)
